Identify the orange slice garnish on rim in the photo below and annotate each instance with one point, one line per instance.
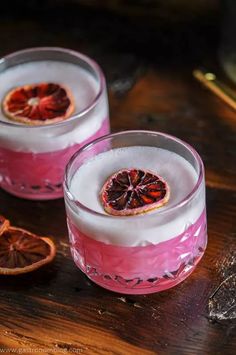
(134, 191)
(38, 104)
(22, 251)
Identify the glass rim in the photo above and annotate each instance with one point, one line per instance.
(92, 63)
(181, 203)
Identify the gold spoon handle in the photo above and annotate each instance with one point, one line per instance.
(212, 83)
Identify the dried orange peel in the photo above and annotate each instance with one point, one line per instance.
(134, 191)
(4, 224)
(22, 251)
(39, 104)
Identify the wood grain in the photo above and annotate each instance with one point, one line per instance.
(57, 309)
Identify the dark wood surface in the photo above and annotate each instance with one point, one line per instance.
(58, 310)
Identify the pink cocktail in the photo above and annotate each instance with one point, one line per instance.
(141, 253)
(33, 157)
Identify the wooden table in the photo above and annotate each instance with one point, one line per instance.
(57, 309)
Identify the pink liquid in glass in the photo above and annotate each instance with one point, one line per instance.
(39, 175)
(141, 269)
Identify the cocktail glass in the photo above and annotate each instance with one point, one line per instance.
(33, 158)
(144, 253)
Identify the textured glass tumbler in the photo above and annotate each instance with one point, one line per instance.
(100, 242)
(33, 158)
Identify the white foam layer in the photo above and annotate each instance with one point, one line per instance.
(152, 227)
(84, 88)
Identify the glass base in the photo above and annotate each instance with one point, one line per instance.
(46, 192)
(140, 269)
(138, 286)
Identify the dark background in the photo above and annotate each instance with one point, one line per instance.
(147, 50)
(127, 33)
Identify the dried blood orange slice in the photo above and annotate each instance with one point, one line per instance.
(22, 251)
(4, 224)
(38, 104)
(134, 191)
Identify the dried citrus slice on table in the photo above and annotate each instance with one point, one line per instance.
(22, 251)
(134, 191)
(4, 224)
(38, 104)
